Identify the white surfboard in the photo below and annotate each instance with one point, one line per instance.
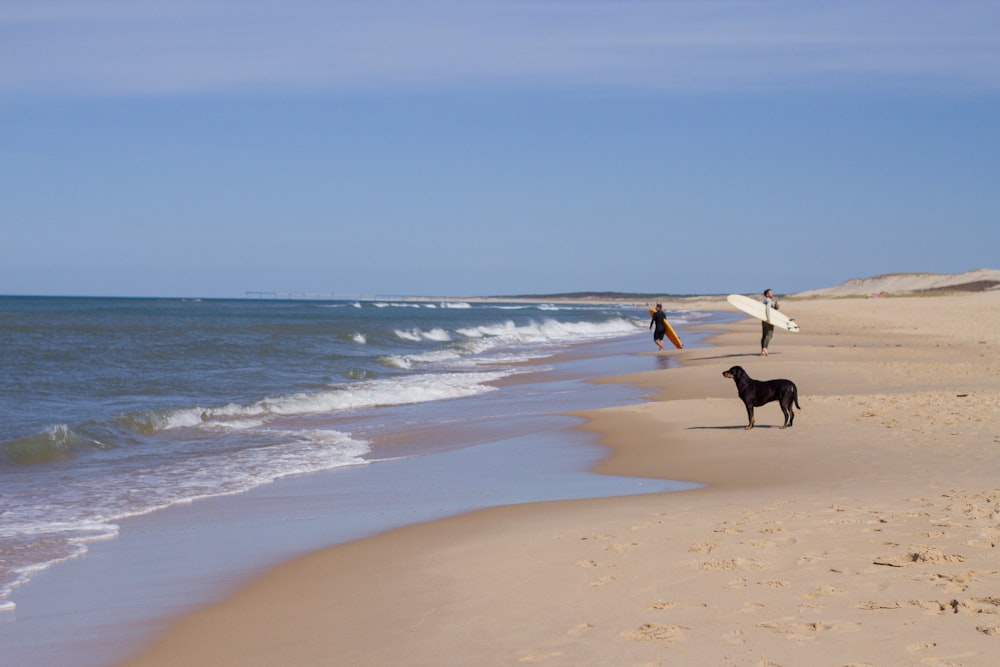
(756, 309)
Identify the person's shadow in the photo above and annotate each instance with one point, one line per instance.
(730, 356)
(741, 427)
(664, 361)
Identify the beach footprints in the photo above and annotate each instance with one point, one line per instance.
(622, 547)
(958, 582)
(985, 609)
(924, 564)
(659, 606)
(954, 568)
(602, 581)
(794, 628)
(732, 564)
(668, 634)
(823, 591)
(703, 547)
(609, 545)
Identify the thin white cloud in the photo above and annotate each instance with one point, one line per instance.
(194, 46)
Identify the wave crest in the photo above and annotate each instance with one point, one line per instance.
(353, 396)
(56, 443)
(437, 334)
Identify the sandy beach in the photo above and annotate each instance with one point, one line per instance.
(867, 534)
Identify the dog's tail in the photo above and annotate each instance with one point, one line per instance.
(795, 397)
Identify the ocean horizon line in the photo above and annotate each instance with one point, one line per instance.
(278, 295)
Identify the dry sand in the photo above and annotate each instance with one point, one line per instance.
(867, 534)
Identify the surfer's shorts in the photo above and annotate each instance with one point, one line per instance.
(659, 334)
(767, 331)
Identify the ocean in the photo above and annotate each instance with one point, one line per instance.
(117, 408)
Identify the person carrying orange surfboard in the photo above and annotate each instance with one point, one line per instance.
(662, 328)
(659, 321)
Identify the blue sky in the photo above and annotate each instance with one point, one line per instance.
(206, 148)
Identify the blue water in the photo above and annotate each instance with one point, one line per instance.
(114, 408)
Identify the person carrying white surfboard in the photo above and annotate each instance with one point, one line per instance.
(767, 329)
(767, 312)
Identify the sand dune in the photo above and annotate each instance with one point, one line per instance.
(908, 283)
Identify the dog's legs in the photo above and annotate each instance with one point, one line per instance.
(750, 416)
(789, 414)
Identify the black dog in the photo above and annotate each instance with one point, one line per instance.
(755, 393)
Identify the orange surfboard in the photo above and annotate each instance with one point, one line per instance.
(671, 334)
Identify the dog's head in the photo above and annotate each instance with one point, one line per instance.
(734, 372)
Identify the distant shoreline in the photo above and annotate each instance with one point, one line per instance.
(894, 284)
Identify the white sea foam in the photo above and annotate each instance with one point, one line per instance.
(59, 528)
(397, 391)
(400, 361)
(550, 331)
(437, 334)
(58, 431)
(390, 391)
(396, 304)
(60, 542)
(438, 358)
(417, 335)
(283, 452)
(227, 415)
(235, 424)
(409, 334)
(360, 338)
